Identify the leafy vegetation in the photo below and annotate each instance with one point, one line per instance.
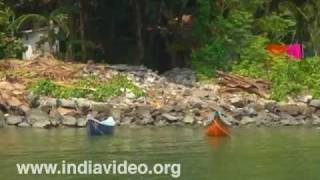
(55, 23)
(10, 46)
(287, 76)
(87, 88)
(206, 35)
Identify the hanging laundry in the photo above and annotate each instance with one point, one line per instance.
(277, 48)
(295, 51)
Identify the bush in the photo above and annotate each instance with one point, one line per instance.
(287, 76)
(10, 47)
(254, 59)
(89, 87)
(221, 39)
(210, 57)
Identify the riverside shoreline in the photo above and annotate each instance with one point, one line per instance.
(50, 112)
(174, 98)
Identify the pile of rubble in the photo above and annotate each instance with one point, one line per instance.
(174, 98)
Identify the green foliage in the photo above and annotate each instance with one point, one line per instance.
(277, 26)
(10, 47)
(236, 27)
(223, 35)
(116, 87)
(253, 58)
(209, 58)
(88, 87)
(6, 16)
(287, 76)
(58, 18)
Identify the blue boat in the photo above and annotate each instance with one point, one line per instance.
(97, 128)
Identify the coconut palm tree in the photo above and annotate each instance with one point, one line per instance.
(6, 18)
(56, 23)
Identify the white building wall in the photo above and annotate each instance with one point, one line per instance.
(30, 40)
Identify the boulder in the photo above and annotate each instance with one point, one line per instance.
(46, 104)
(82, 122)
(83, 105)
(167, 109)
(238, 102)
(33, 100)
(67, 112)
(181, 76)
(180, 107)
(272, 107)
(228, 119)
(187, 92)
(170, 117)
(55, 117)
(2, 120)
(304, 98)
(246, 111)
(14, 120)
(315, 103)
(144, 116)
(69, 121)
(306, 110)
(126, 121)
(24, 125)
(315, 120)
(145, 120)
(101, 107)
(41, 124)
(189, 119)
(161, 123)
(115, 113)
(130, 95)
(66, 103)
(287, 120)
(268, 119)
(247, 121)
(24, 109)
(143, 110)
(38, 118)
(257, 106)
(200, 93)
(291, 109)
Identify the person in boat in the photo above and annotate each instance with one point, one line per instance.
(217, 126)
(96, 127)
(216, 116)
(109, 121)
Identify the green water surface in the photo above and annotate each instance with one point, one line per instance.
(251, 154)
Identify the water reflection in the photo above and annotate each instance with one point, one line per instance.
(250, 154)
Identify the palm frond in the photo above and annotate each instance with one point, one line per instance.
(65, 10)
(27, 18)
(62, 22)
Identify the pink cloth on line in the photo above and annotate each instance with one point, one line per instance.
(294, 50)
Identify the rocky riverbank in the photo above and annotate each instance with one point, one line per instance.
(171, 99)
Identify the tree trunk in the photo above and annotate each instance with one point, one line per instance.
(139, 36)
(83, 11)
(69, 50)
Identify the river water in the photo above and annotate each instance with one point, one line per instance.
(251, 154)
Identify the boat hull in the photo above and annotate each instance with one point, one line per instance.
(97, 129)
(217, 130)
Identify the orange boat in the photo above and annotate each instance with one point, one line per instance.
(217, 128)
